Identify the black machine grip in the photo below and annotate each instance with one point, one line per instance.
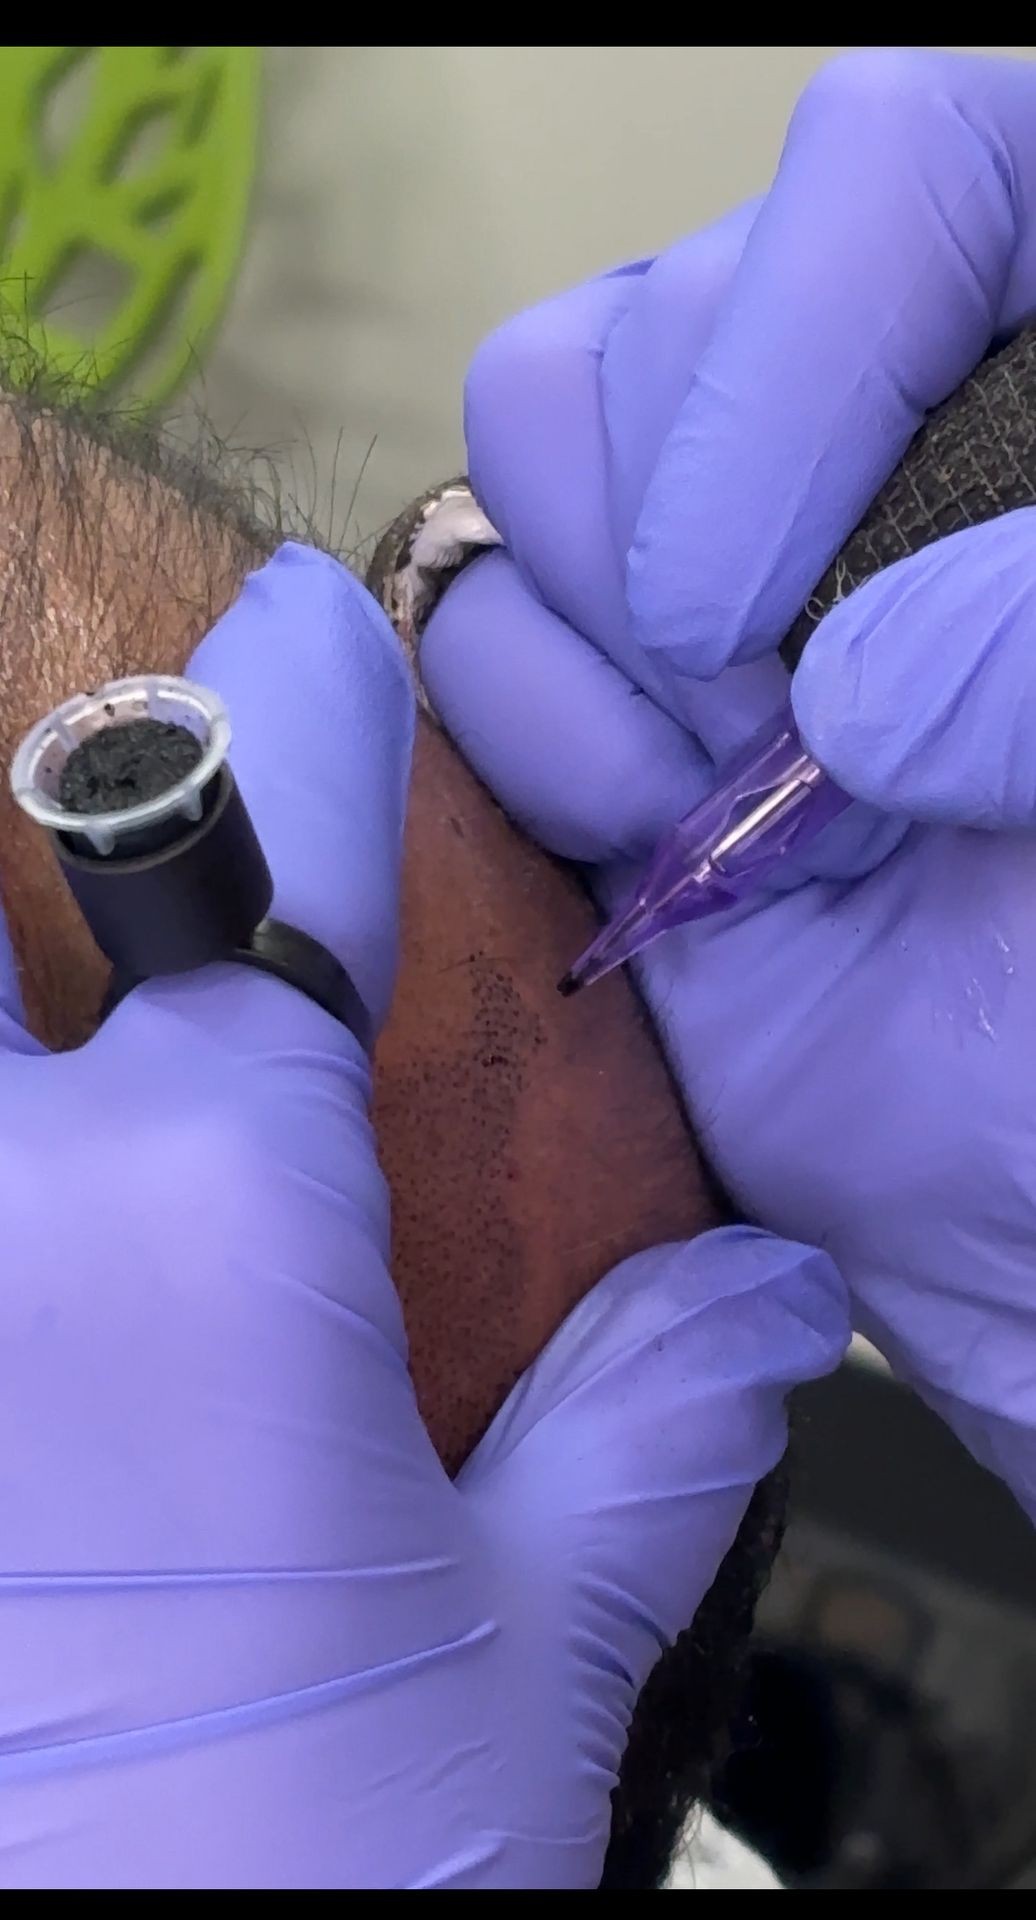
(973, 459)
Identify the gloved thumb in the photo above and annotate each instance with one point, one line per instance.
(918, 692)
(623, 1462)
(322, 712)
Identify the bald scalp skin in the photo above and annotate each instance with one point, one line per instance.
(529, 1143)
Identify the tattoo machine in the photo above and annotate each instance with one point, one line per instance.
(133, 786)
(973, 459)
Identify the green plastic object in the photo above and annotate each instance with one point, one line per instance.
(125, 175)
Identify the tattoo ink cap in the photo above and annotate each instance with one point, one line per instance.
(171, 876)
(133, 787)
(40, 762)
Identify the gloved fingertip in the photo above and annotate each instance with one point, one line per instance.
(751, 1273)
(576, 755)
(917, 692)
(689, 1333)
(303, 613)
(643, 1428)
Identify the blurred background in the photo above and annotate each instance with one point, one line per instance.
(307, 244)
(409, 198)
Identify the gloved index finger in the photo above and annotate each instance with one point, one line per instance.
(898, 238)
(322, 711)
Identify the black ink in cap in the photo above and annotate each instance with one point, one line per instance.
(133, 785)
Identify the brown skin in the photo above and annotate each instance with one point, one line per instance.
(530, 1142)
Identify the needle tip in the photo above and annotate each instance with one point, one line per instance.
(568, 985)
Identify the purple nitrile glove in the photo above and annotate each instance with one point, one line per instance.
(673, 454)
(251, 1635)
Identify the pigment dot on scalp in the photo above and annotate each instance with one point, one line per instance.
(124, 765)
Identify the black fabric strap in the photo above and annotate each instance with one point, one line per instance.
(301, 962)
(304, 963)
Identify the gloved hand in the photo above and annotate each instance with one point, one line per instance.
(250, 1633)
(673, 454)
